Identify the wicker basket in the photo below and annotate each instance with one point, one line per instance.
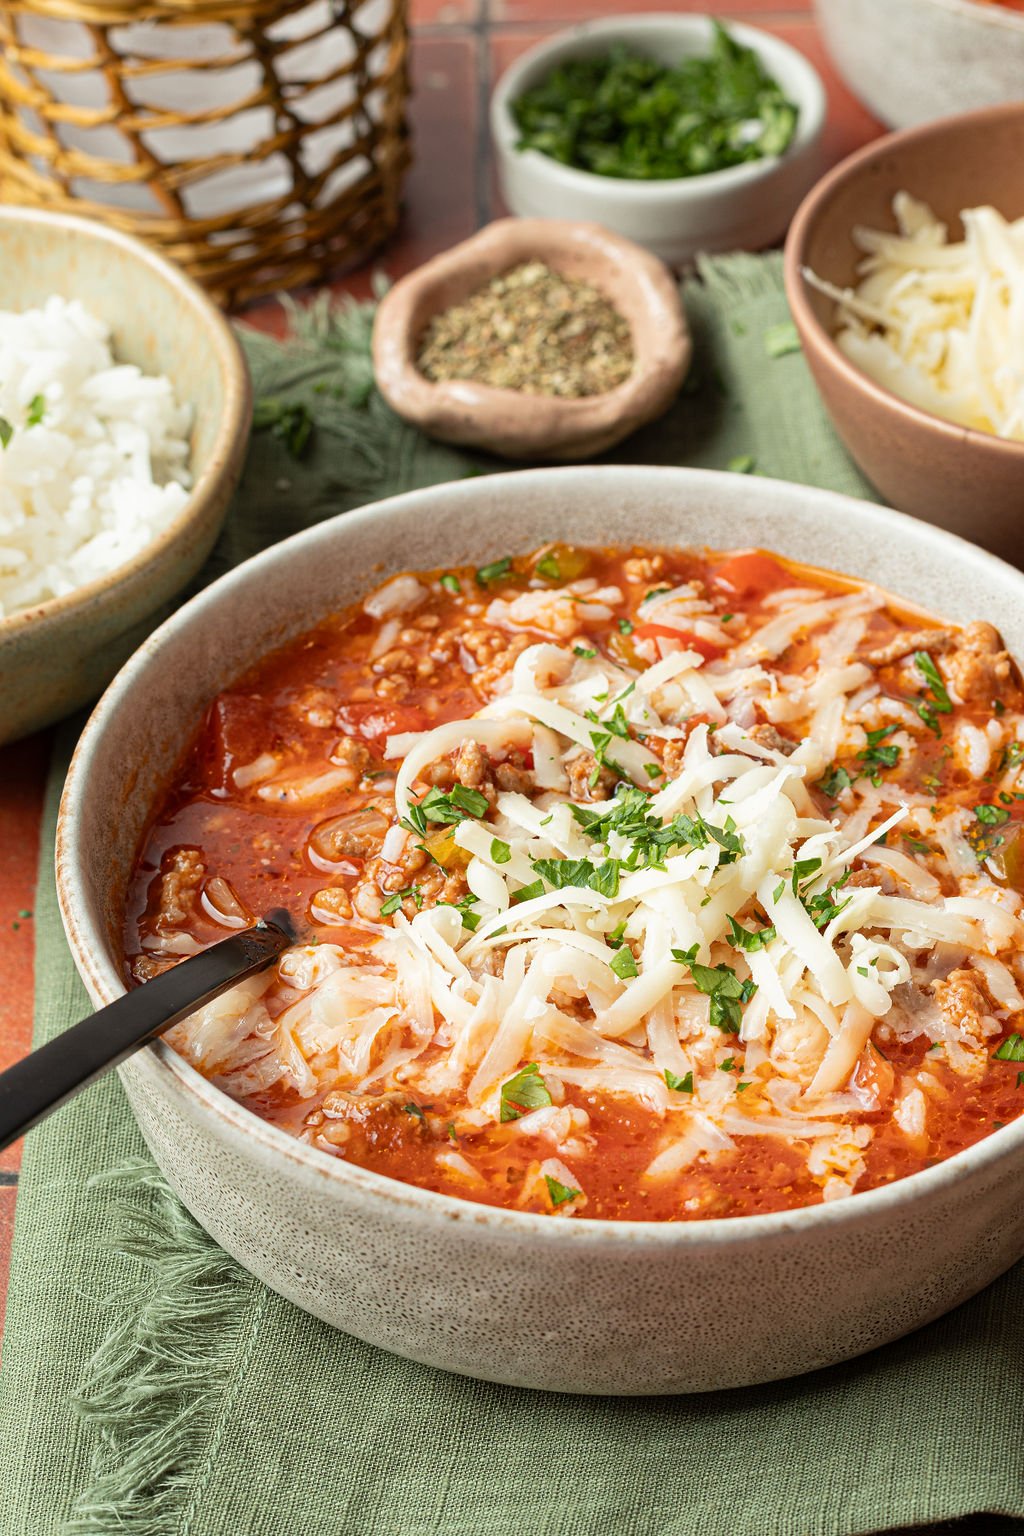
(260, 143)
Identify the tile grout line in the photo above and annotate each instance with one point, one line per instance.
(482, 159)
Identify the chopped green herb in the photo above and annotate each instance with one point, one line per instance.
(560, 873)
(414, 1109)
(470, 919)
(528, 892)
(876, 756)
(446, 808)
(586, 651)
(625, 627)
(559, 1193)
(685, 956)
(742, 464)
(527, 1090)
(623, 964)
(834, 782)
(1020, 1078)
(679, 1084)
(393, 903)
(740, 1086)
(1012, 1049)
(803, 869)
(6, 431)
(781, 339)
(653, 770)
(992, 815)
(727, 1065)
(493, 572)
(451, 583)
(747, 939)
(1012, 754)
(624, 114)
(549, 568)
(915, 844)
(500, 852)
(721, 984)
(36, 410)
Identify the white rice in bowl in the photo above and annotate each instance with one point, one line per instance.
(94, 454)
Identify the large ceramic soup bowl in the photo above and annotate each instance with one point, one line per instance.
(573, 1305)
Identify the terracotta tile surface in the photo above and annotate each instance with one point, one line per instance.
(459, 47)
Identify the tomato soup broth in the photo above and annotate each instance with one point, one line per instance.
(643, 884)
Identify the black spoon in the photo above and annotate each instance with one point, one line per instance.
(32, 1088)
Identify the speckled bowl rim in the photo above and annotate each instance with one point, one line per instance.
(226, 354)
(985, 15)
(265, 1142)
(736, 178)
(821, 341)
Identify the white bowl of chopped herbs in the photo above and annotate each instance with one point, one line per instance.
(673, 130)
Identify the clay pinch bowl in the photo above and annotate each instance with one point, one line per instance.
(510, 422)
(968, 481)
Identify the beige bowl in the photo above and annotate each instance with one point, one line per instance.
(506, 421)
(60, 654)
(970, 482)
(641, 1307)
(911, 61)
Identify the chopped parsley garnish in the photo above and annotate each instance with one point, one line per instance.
(747, 939)
(1012, 1049)
(493, 572)
(721, 984)
(623, 964)
(560, 873)
(653, 770)
(526, 1091)
(6, 431)
(740, 1086)
(679, 1084)
(803, 869)
(559, 1193)
(528, 892)
(470, 919)
(451, 583)
(36, 410)
(586, 651)
(625, 627)
(876, 756)
(727, 1065)
(446, 808)
(393, 902)
(992, 815)
(781, 339)
(823, 907)
(940, 703)
(548, 567)
(742, 464)
(500, 852)
(1013, 753)
(413, 1109)
(629, 814)
(834, 782)
(915, 844)
(621, 113)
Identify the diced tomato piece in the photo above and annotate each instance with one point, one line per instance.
(688, 641)
(751, 574)
(376, 722)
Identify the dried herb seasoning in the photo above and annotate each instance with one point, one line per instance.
(531, 329)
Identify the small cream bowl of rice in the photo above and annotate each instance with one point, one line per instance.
(124, 415)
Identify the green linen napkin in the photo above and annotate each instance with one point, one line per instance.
(153, 1388)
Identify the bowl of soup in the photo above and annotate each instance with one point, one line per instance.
(657, 908)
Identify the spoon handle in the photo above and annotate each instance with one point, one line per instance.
(44, 1079)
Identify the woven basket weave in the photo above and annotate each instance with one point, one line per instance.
(260, 143)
